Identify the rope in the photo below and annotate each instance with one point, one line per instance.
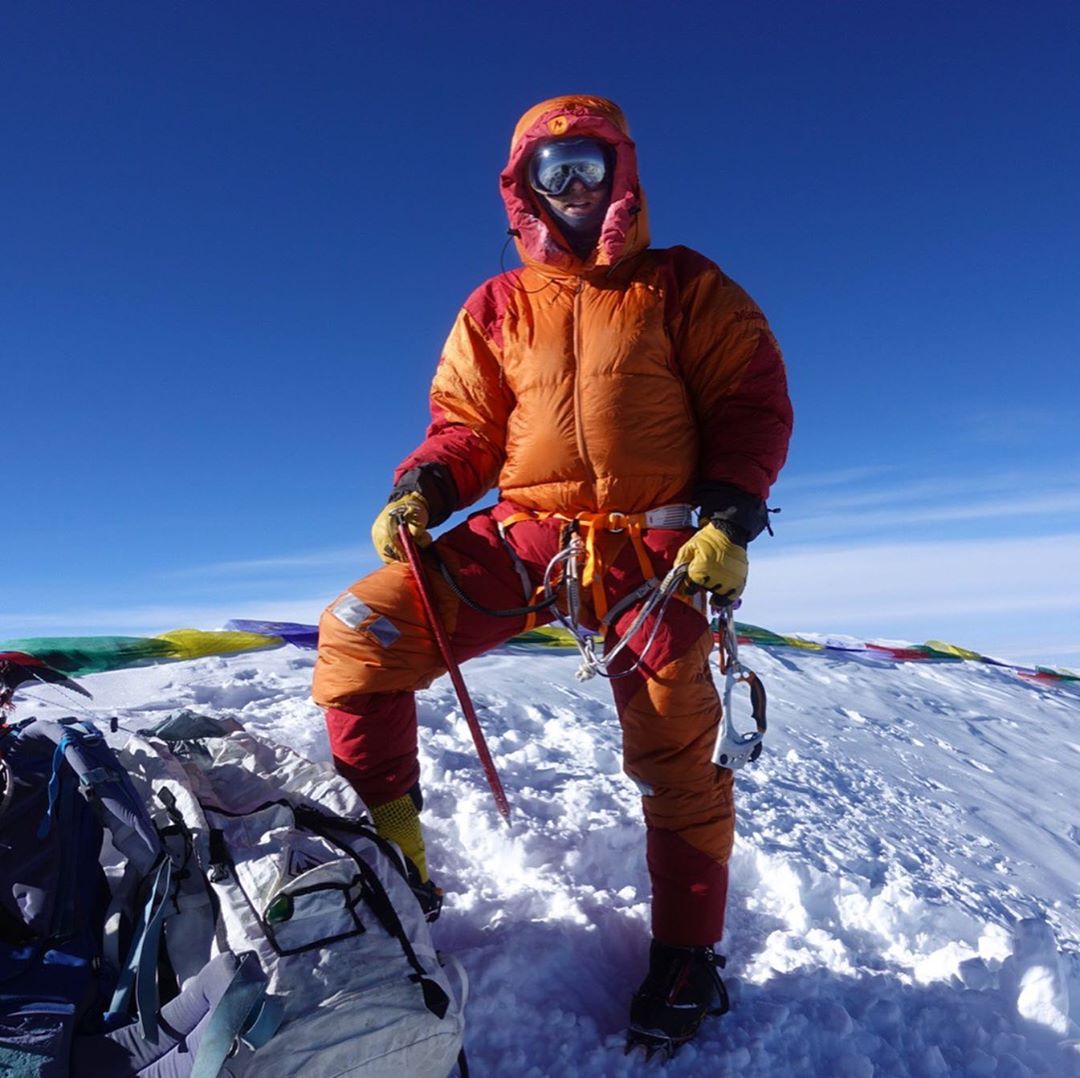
(513, 612)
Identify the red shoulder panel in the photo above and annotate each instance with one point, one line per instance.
(488, 304)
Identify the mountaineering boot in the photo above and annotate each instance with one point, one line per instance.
(399, 821)
(676, 995)
(430, 898)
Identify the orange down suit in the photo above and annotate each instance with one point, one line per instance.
(617, 384)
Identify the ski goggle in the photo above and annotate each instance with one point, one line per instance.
(556, 165)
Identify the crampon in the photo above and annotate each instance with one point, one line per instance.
(682, 987)
(430, 898)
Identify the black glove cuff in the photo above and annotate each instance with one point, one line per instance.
(739, 536)
(435, 484)
(729, 507)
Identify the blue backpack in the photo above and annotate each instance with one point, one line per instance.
(84, 886)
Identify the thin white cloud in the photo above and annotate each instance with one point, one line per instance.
(137, 620)
(1004, 588)
(842, 477)
(957, 488)
(1036, 652)
(1051, 506)
(1010, 424)
(356, 557)
(893, 493)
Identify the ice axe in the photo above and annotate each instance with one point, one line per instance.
(17, 668)
(412, 556)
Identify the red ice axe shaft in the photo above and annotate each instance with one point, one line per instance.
(412, 555)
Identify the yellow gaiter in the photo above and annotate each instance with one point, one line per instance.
(399, 821)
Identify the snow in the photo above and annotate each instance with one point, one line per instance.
(905, 884)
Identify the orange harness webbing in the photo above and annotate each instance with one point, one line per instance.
(592, 575)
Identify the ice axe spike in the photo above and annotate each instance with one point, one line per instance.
(412, 556)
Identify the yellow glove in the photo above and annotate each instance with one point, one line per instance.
(411, 508)
(714, 562)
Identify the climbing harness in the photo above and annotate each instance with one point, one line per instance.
(579, 565)
(735, 749)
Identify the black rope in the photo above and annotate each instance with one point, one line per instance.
(516, 612)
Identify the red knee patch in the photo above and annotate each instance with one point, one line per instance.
(375, 747)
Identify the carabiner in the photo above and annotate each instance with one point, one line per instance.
(734, 749)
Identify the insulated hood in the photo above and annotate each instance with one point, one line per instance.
(540, 244)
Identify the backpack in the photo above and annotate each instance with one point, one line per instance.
(84, 880)
(275, 854)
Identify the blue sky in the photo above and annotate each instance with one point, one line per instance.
(235, 235)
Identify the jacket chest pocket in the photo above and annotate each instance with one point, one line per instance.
(624, 332)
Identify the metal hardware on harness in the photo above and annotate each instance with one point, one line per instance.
(575, 551)
(735, 749)
(592, 664)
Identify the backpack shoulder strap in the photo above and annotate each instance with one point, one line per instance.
(105, 784)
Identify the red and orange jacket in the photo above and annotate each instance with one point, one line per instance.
(633, 379)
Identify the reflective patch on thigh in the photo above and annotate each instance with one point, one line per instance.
(643, 787)
(384, 630)
(351, 611)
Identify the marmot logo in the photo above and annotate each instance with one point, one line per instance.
(748, 316)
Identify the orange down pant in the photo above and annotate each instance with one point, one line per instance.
(376, 650)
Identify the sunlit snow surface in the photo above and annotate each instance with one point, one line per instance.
(905, 884)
